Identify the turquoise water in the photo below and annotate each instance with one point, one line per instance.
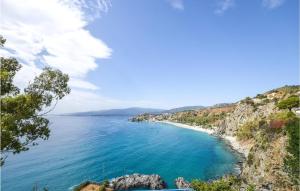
(98, 148)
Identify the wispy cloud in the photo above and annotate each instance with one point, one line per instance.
(53, 33)
(272, 4)
(177, 4)
(223, 5)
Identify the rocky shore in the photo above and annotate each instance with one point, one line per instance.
(153, 182)
(181, 183)
(131, 182)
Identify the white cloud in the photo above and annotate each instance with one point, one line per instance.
(77, 83)
(177, 4)
(52, 32)
(271, 4)
(223, 5)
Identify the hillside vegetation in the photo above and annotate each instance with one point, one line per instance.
(268, 124)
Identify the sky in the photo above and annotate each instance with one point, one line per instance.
(154, 53)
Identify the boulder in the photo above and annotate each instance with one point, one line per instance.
(181, 183)
(133, 181)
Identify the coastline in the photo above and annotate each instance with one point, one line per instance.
(195, 128)
(232, 141)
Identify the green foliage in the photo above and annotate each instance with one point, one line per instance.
(247, 130)
(261, 96)
(289, 89)
(291, 161)
(22, 121)
(250, 188)
(101, 188)
(104, 185)
(248, 101)
(250, 159)
(205, 119)
(224, 184)
(283, 115)
(289, 103)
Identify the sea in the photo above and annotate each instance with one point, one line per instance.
(98, 148)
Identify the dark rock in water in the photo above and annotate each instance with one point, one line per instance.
(181, 183)
(126, 182)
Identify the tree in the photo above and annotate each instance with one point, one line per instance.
(289, 103)
(22, 121)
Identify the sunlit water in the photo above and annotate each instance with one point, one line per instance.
(98, 148)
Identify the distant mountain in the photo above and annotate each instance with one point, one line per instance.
(185, 108)
(121, 112)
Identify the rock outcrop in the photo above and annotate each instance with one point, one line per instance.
(133, 181)
(181, 183)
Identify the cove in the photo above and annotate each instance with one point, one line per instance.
(97, 148)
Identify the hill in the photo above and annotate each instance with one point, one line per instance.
(118, 112)
(266, 128)
(185, 108)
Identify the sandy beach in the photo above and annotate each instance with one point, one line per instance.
(196, 128)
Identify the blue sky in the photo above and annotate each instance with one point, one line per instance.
(169, 53)
(193, 56)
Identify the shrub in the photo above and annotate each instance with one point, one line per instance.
(261, 96)
(101, 188)
(276, 124)
(248, 101)
(250, 159)
(289, 103)
(262, 138)
(291, 161)
(246, 131)
(250, 188)
(224, 184)
(105, 183)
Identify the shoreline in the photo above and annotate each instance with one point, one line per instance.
(232, 141)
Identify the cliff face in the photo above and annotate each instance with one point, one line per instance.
(243, 113)
(264, 166)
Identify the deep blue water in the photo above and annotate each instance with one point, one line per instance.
(98, 148)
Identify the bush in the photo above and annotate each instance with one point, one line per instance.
(248, 101)
(276, 124)
(105, 183)
(224, 184)
(101, 188)
(250, 159)
(250, 188)
(289, 103)
(261, 96)
(246, 131)
(291, 161)
(262, 138)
